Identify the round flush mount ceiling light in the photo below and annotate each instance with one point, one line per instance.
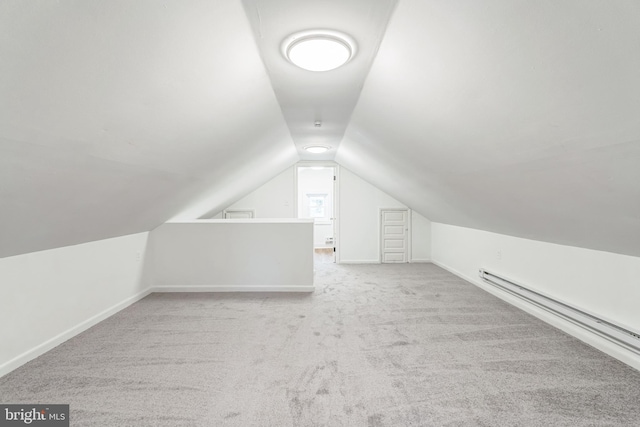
(316, 149)
(319, 50)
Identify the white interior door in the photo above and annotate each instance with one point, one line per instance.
(394, 235)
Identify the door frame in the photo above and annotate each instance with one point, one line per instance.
(336, 197)
(380, 210)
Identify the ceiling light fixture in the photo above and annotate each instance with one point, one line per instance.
(319, 50)
(316, 149)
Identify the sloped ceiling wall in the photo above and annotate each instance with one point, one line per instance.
(518, 117)
(116, 116)
(515, 117)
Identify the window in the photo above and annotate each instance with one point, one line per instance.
(317, 204)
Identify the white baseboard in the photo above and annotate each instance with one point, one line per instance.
(585, 335)
(359, 261)
(377, 261)
(216, 288)
(40, 349)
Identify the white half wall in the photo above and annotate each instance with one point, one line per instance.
(233, 255)
(50, 296)
(359, 216)
(603, 283)
(276, 199)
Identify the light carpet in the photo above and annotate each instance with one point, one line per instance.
(375, 345)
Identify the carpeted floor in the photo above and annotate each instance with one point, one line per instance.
(376, 345)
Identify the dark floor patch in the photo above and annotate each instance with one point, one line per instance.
(375, 420)
(231, 415)
(322, 391)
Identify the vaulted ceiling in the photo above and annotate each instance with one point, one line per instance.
(519, 117)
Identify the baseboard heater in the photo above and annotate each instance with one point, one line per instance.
(605, 328)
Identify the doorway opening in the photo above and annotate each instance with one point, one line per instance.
(316, 188)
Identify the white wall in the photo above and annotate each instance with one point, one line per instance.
(234, 255)
(420, 238)
(358, 210)
(274, 199)
(49, 296)
(359, 215)
(599, 282)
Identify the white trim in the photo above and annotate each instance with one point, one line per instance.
(312, 163)
(40, 349)
(360, 261)
(584, 335)
(240, 288)
(418, 261)
(247, 221)
(336, 213)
